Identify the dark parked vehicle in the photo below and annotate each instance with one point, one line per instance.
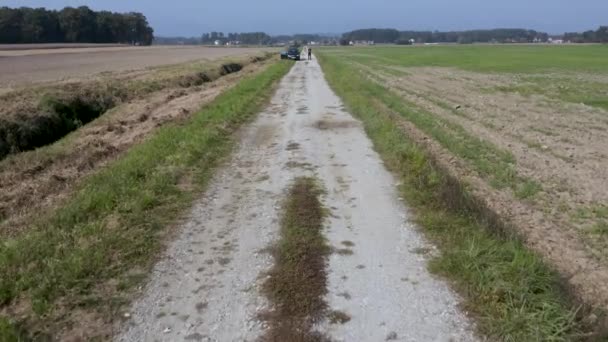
(291, 53)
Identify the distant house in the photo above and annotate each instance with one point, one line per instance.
(555, 41)
(363, 42)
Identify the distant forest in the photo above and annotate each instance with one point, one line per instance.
(83, 25)
(257, 38)
(463, 37)
(598, 36)
(473, 36)
(392, 36)
(72, 25)
(245, 38)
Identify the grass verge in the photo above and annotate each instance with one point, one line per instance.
(298, 281)
(509, 289)
(87, 254)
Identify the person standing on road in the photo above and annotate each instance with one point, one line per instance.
(309, 53)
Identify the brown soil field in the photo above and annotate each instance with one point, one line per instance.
(35, 181)
(15, 47)
(22, 67)
(559, 145)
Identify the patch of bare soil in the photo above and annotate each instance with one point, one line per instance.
(18, 68)
(560, 145)
(49, 46)
(37, 181)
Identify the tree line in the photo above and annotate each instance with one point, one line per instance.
(72, 25)
(598, 36)
(246, 38)
(473, 36)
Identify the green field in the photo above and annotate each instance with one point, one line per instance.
(547, 70)
(514, 293)
(488, 58)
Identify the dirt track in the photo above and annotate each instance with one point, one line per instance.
(26, 66)
(207, 287)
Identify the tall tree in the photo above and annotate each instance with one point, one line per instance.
(73, 25)
(11, 24)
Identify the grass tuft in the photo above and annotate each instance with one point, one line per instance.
(298, 281)
(527, 189)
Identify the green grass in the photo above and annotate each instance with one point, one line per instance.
(512, 293)
(597, 211)
(527, 189)
(555, 69)
(111, 229)
(601, 228)
(486, 58)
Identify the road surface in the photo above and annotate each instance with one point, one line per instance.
(207, 287)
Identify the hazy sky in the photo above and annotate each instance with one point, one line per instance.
(193, 17)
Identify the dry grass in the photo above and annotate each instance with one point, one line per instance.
(33, 181)
(45, 114)
(298, 282)
(329, 124)
(338, 317)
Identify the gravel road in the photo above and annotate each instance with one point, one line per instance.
(207, 286)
